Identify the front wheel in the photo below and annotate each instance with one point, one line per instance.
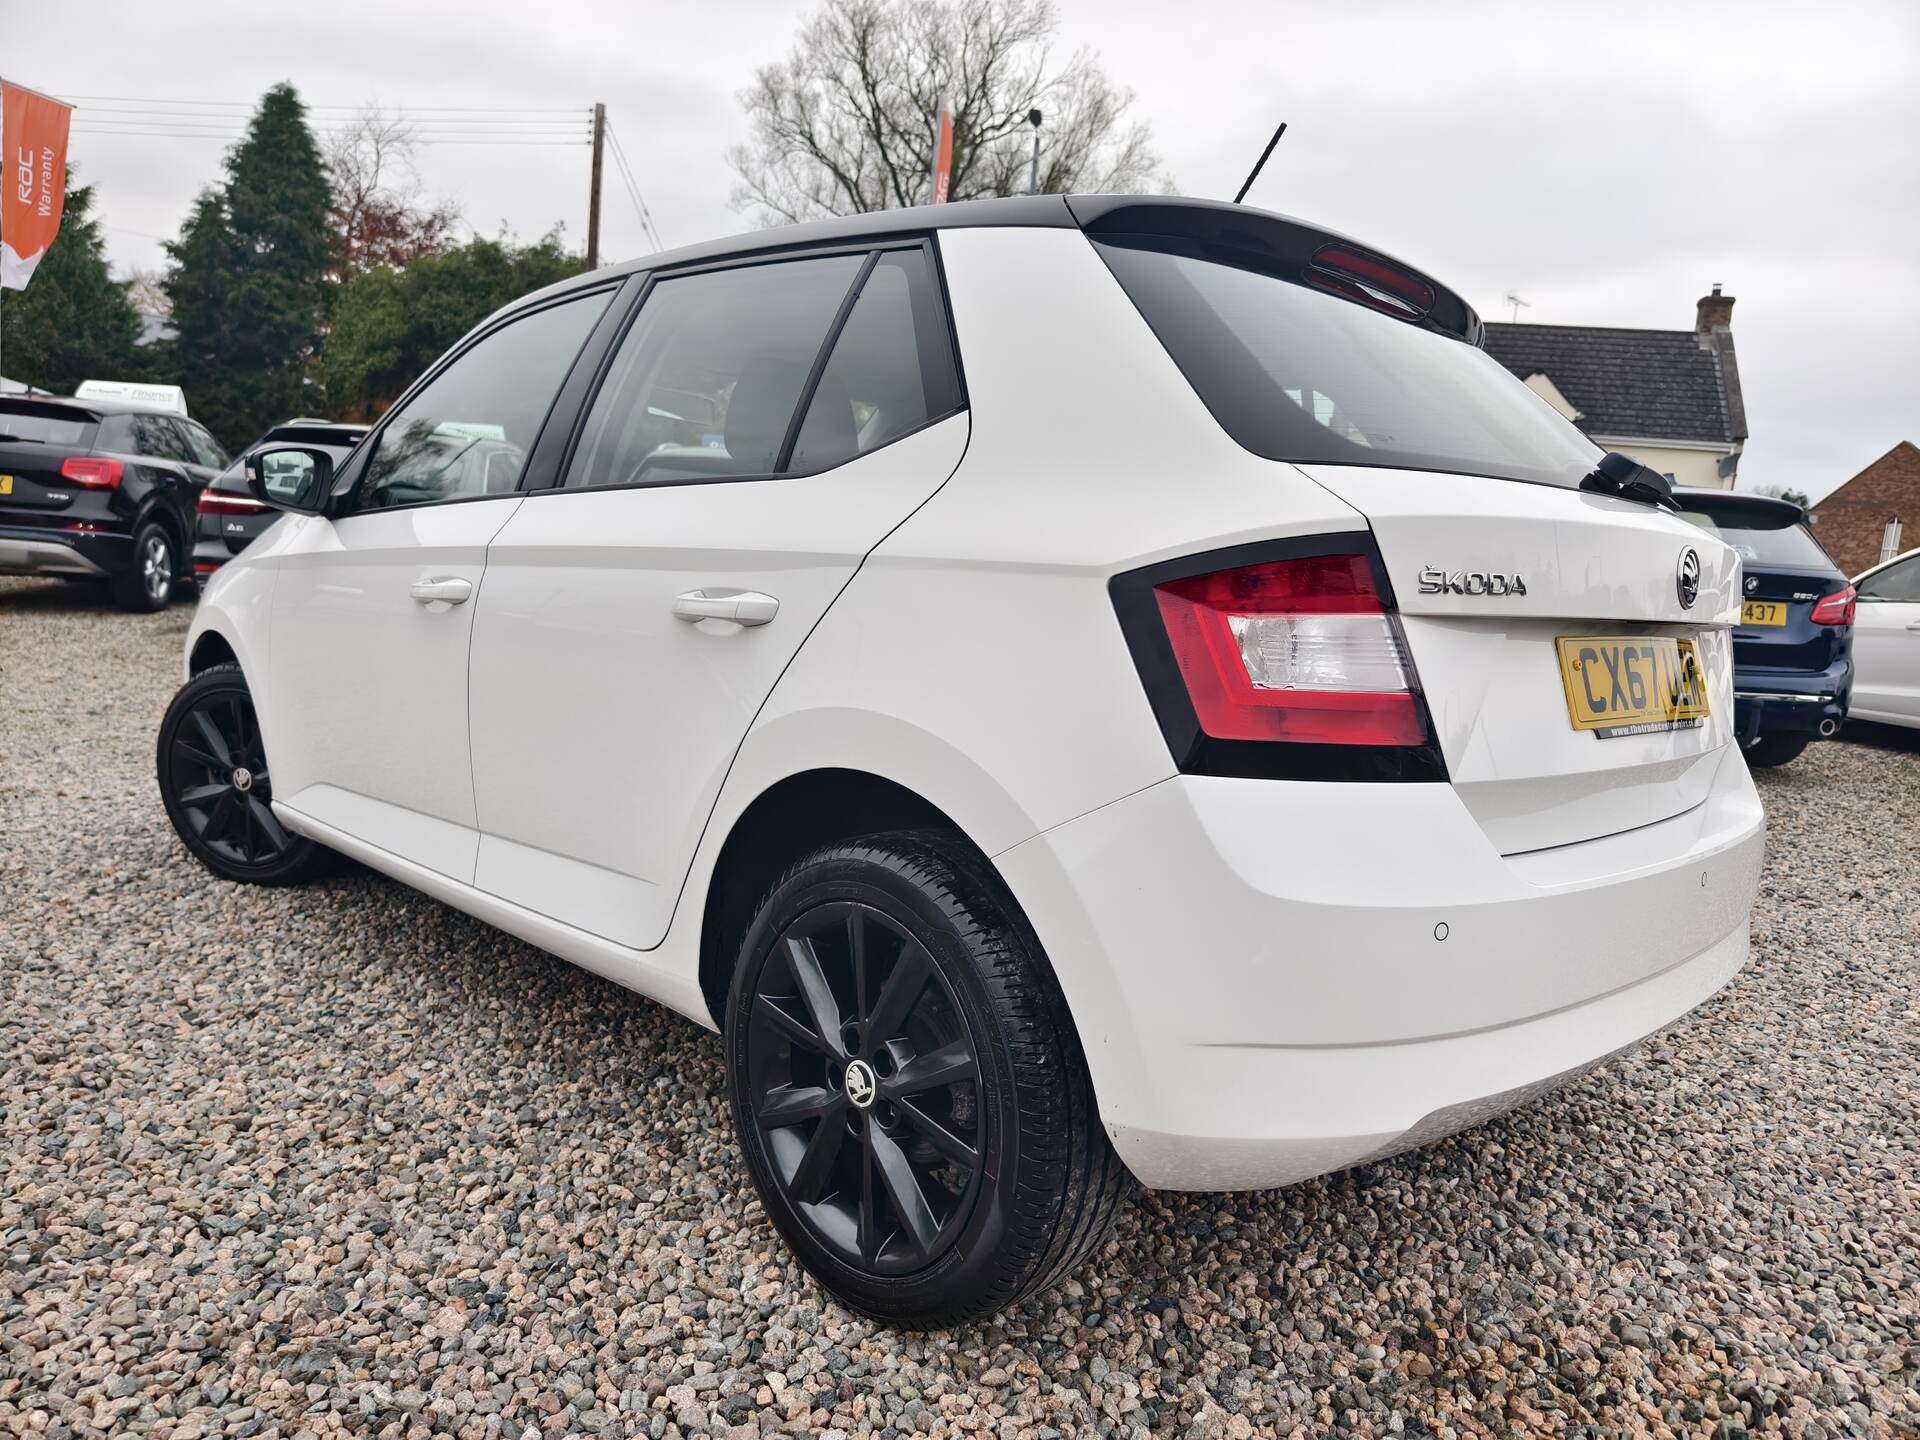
(908, 1087)
(1771, 750)
(212, 767)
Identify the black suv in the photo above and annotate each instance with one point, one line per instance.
(1793, 652)
(230, 518)
(101, 490)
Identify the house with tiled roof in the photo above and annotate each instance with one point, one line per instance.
(1876, 514)
(1669, 398)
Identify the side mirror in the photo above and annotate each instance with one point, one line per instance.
(291, 477)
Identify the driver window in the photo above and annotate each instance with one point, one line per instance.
(468, 432)
(1896, 582)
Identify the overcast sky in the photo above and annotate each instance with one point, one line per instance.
(1607, 162)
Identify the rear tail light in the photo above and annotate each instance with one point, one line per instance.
(90, 472)
(1835, 609)
(225, 502)
(1370, 280)
(1299, 651)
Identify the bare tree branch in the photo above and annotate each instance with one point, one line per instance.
(846, 122)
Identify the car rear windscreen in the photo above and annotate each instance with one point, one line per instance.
(1760, 543)
(1297, 374)
(45, 424)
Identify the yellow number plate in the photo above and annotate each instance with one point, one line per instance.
(1763, 612)
(6, 484)
(1631, 684)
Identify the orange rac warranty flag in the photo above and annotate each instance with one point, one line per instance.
(33, 190)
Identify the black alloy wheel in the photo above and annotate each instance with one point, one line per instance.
(907, 1085)
(214, 779)
(866, 1088)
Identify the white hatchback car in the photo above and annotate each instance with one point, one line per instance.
(1886, 643)
(1069, 686)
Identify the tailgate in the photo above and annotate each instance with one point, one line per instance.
(1490, 575)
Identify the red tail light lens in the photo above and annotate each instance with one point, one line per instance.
(1371, 281)
(1297, 650)
(1835, 609)
(90, 472)
(225, 502)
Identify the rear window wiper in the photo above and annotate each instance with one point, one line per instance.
(1622, 475)
(22, 439)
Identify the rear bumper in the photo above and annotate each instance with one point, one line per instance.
(38, 552)
(1277, 979)
(1790, 702)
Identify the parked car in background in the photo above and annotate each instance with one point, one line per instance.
(1792, 653)
(228, 518)
(101, 490)
(1886, 642)
(1129, 686)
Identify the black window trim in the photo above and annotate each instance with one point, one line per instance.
(872, 250)
(347, 486)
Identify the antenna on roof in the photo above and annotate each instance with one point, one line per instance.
(1255, 174)
(1517, 303)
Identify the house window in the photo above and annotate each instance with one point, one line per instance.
(1890, 539)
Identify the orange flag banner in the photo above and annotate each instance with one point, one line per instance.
(33, 192)
(943, 157)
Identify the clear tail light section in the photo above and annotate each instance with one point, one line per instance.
(1835, 609)
(1280, 664)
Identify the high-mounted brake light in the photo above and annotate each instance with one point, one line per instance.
(1835, 609)
(1299, 650)
(1371, 281)
(225, 502)
(90, 472)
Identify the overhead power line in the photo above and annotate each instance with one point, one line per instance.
(633, 190)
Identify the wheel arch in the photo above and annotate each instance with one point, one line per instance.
(211, 649)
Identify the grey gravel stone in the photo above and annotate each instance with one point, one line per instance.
(341, 1161)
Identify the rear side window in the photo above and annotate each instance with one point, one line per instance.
(891, 370)
(158, 438)
(1896, 582)
(44, 424)
(706, 382)
(1761, 543)
(1297, 374)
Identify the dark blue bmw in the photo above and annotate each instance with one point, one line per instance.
(1793, 652)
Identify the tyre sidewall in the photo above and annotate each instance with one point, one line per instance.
(131, 588)
(973, 1262)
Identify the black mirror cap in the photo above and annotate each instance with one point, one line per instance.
(312, 499)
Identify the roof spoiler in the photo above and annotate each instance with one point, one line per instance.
(1285, 248)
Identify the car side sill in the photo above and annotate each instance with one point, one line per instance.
(633, 969)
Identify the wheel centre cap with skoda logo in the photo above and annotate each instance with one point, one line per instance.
(242, 778)
(1686, 579)
(861, 1083)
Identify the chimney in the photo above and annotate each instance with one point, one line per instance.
(1713, 312)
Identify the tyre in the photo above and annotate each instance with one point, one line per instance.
(1771, 750)
(214, 780)
(908, 1086)
(148, 582)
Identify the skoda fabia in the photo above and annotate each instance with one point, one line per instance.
(1073, 688)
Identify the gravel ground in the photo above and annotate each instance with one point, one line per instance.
(344, 1161)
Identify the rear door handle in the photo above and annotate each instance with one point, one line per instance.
(743, 607)
(449, 588)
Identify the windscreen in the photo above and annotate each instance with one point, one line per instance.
(1297, 374)
(1759, 543)
(44, 424)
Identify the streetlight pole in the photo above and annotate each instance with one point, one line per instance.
(1033, 174)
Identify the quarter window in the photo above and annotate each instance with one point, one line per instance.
(891, 370)
(706, 382)
(468, 432)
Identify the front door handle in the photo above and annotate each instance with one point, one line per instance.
(743, 607)
(448, 588)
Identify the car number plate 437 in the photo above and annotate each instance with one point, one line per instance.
(1631, 684)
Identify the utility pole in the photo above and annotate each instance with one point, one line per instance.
(593, 200)
(1033, 175)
